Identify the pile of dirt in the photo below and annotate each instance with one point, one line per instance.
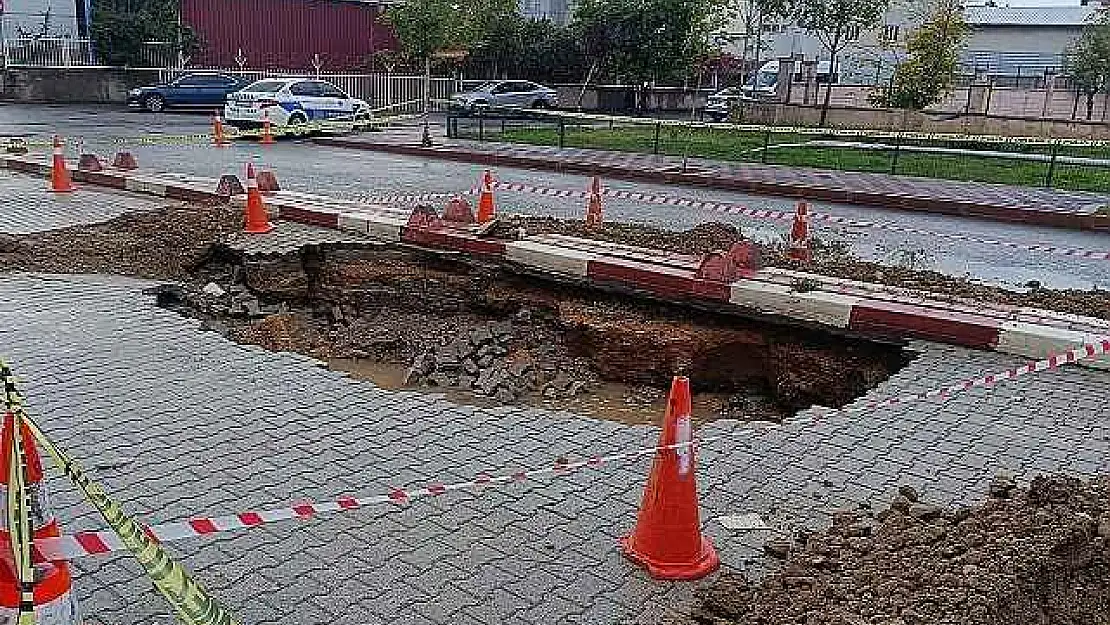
(1031, 556)
(168, 242)
(701, 239)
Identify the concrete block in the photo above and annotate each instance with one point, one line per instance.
(1038, 341)
(353, 222)
(558, 260)
(830, 309)
(145, 185)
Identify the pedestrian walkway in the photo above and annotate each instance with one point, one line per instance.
(178, 422)
(1032, 205)
(29, 208)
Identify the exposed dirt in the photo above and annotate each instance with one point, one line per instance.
(1036, 556)
(468, 329)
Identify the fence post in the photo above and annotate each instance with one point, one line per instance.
(894, 157)
(1052, 164)
(562, 133)
(766, 144)
(655, 143)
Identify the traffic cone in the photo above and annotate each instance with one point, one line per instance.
(486, 208)
(218, 138)
(257, 221)
(799, 235)
(267, 137)
(593, 205)
(267, 181)
(54, 600)
(667, 540)
(60, 182)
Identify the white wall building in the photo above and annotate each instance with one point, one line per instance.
(1004, 41)
(558, 11)
(40, 18)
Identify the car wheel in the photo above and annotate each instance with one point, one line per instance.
(154, 103)
(362, 120)
(297, 123)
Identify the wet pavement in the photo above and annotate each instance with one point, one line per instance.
(352, 174)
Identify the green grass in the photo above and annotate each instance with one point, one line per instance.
(748, 146)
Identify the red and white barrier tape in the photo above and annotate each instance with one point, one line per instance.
(735, 209)
(92, 543)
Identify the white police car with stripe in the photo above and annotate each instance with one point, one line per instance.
(293, 102)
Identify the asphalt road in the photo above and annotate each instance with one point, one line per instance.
(303, 166)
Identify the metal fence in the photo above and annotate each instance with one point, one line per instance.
(1058, 163)
(69, 52)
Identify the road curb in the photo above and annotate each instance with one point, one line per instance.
(665, 175)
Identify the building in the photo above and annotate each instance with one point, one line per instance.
(1004, 41)
(558, 11)
(24, 19)
(1021, 41)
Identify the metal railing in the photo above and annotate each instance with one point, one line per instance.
(69, 52)
(1062, 163)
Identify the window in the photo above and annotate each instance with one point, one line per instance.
(266, 86)
(304, 89)
(191, 81)
(505, 87)
(852, 34)
(328, 90)
(890, 33)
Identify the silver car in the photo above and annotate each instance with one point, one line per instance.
(505, 93)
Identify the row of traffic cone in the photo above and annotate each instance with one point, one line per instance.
(61, 181)
(219, 136)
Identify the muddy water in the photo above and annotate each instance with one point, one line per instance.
(605, 400)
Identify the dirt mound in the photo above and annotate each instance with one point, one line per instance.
(1035, 556)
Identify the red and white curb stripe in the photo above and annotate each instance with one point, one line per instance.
(93, 543)
(735, 209)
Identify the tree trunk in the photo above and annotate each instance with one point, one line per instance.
(828, 89)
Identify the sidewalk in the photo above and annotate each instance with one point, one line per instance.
(1031, 205)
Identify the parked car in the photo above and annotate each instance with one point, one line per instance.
(720, 104)
(291, 102)
(505, 93)
(201, 89)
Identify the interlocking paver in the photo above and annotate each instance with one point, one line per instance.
(29, 208)
(210, 427)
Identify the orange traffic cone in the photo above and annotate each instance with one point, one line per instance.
(667, 540)
(257, 221)
(60, 182)
(54, 601)
(593, 205)
(218, 138)
(486, 208)
(799, 235)
(267, 137)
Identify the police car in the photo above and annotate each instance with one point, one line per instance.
(293, 102)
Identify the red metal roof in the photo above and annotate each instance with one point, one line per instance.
(285, 34)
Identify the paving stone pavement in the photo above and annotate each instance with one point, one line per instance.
(28, 207)
(178, 422)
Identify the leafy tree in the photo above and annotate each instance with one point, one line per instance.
(1087, 61)
(836, 23)
(119, 28)
(537, 49)
(424, 27)
(643, 40)
(933, 55)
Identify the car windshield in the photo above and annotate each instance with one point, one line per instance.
(265, 86)
(486, 87)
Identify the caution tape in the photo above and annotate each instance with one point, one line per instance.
(18, 520)
(756, 213)
(94, 543)
(192, 604)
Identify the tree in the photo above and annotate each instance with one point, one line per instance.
(836, 23)
(933, 56)
(119, 28)
(424, 27)
(752, 15)
(646, 40)
(1087, 61)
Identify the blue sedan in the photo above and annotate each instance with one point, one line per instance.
(198, 90)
